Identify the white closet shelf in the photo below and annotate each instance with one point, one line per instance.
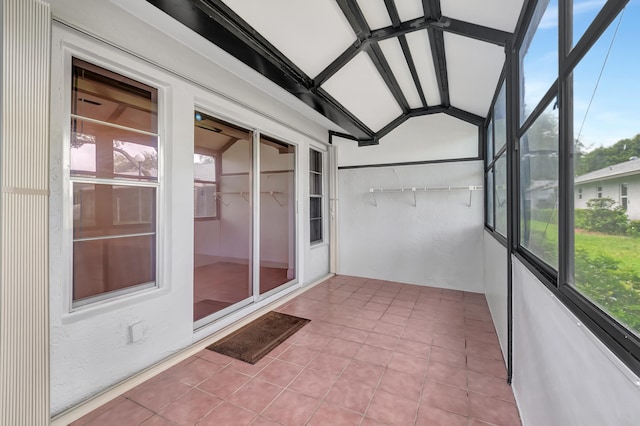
(414, 189)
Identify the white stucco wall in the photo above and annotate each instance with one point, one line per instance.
(611, 189)
(495, 286)
(437, 242)
(90, 348)
(563, 374)
(430, 137)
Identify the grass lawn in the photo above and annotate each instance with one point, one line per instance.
(607, 268)
(626, 250)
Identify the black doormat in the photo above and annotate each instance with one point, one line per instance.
(256, 339)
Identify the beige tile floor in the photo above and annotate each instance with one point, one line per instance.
(374, 353)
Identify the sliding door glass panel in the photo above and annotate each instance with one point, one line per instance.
(607, 172)
(222, 216)
(277, 214)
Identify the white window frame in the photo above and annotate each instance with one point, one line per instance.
(322, 196)
(116, 62)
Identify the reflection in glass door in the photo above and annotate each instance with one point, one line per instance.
(222, 218)
(277, 214)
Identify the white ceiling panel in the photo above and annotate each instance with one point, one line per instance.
(499, 14)
(474, 69)
(394, 55)
(310, 33)
(375, 12)
(409, 9)
(359, 87)
(421, 51)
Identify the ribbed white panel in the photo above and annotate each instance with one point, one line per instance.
(24, 302)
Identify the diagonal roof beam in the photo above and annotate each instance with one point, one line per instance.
(359, 24)
(453, 26)
(216, 22)
(436, 41)
(396, 22)
(446, 24)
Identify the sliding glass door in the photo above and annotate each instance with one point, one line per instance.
(244, 217)
(222, 237)
(277, 214)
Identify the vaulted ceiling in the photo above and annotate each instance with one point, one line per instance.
(366, 65)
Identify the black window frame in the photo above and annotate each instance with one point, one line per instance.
(489, 136)
(622, 342)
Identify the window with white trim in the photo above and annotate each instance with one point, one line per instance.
(315, 195)
(113, 154)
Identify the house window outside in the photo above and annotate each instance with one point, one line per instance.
(114, 179)
(315, 196)
(580, 194)
(599, 192)
(624, 199)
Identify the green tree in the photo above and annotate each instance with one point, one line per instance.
(602, 157)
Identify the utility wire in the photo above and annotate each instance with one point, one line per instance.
(606, 58)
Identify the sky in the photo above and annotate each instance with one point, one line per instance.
(613, 114)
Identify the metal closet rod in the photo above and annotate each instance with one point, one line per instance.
(415, 189)
(245, 195)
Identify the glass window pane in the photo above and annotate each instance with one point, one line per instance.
(106, 265)
(583, 14)
(501, 194)
(204, 200)
(316, 207)
(539, 187)
(108, 97)
(315, 161)
(489, 143)
(500, 119)
(204, 167)
(315, 183)
(607, 134)
(316, 230)
(222, 226)
(108, 210)
(108, 152)
(539, 56)
(490, 198)
(277, 213)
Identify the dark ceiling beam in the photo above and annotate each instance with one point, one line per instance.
(217, 23)
(225, 16)
(337, 63)
(436, 41)
(445, 24)
(356, 19)
(379, 60)
(477, 32)
(396, 22)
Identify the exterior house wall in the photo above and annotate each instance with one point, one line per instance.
(90, 348)
(611, 188)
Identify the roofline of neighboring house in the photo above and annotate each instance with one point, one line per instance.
(614, 174)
